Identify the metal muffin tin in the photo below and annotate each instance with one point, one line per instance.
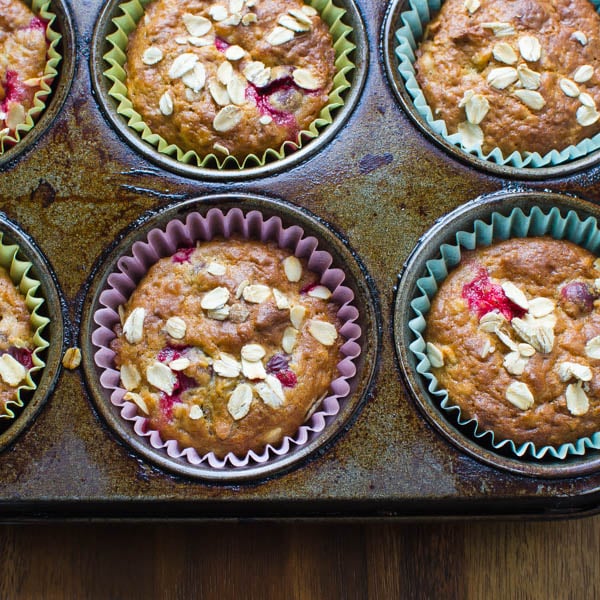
(80, 191)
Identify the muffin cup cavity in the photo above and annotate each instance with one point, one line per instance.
(42, 9)
(18, 271)
(407, 37)
(519, 222)
(158, 243)
(125, 24)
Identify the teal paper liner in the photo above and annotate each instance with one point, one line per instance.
(517, 224)
(409, 36)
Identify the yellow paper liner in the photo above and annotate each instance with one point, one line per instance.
(41, 8)
(19, 273)
(116, 57)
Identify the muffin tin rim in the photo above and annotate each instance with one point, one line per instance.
(100, 87)
(60, 87)
(357, 278)
(442, 231)
(388, 45)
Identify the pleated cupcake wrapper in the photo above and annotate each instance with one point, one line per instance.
(409, 36)
(132, 268)
(116, 57)
(18, 271)
(536, 222)
(41, 8)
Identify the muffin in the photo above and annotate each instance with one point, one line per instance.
(22, 329)
(24, 77)
(520, 76)
(513, 336)
(329, 328)
(16, 343)
(228, 346)
(231, 79)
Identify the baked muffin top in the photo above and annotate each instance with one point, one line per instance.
(232, 78)
(513, 335)
(229, 346)
(519, 75)
(16, 341)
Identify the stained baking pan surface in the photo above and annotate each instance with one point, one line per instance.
(379, 183)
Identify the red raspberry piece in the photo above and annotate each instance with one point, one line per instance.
(287, 378)
(221, 45)
(260, 96)
(166, 405)
(182, 255)
(308, 287)
(22, 355)
(37, 23)
(14, 90)
(483, 297)
(169, 353)
(166, 402)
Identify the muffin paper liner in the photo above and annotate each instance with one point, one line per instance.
(409, 36)
(116, 57)
(161, 243)
(517, 224)
(41, 8)
(18, 271)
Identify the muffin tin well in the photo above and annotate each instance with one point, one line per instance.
(580, 459)
(368, 188)
(364, 363)
(102, 85)
(53, 333)
(414, 15)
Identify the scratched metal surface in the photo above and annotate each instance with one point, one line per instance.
(381, 183)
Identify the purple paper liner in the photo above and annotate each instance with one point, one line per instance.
(177, 234)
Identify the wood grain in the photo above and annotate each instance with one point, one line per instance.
(467, 560)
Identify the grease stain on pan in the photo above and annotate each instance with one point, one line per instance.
(372, 162)
(44, 194)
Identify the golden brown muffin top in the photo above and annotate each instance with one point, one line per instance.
(519, 75)
(514, 337)
(236, 77)
(227, 347)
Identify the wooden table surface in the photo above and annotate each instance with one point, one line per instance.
(461, 560)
